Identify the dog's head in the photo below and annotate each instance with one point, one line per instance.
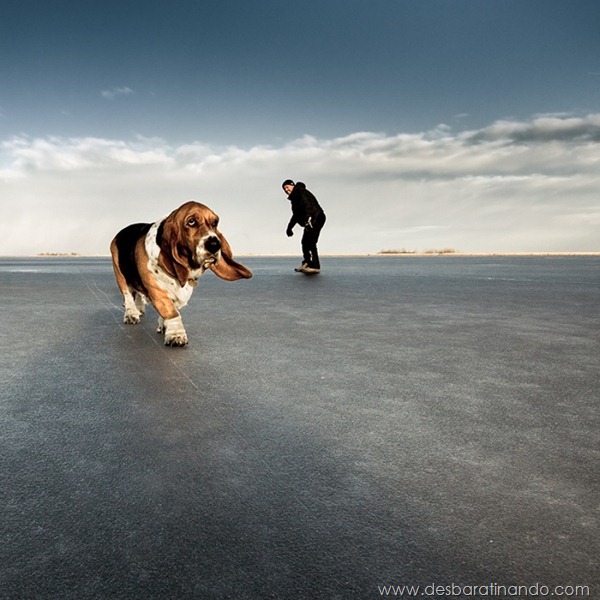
(190, 242)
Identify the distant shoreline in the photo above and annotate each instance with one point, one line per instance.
(475, 254)
(370, 255)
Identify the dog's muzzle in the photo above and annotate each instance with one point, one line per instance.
(212, 247)
(212, 244)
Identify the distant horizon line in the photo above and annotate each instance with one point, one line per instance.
(418, 254)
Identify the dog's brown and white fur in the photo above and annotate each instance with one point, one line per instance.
(162, 262)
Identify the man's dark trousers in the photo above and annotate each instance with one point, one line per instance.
(310, 239)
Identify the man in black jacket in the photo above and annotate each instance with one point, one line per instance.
(306, 212)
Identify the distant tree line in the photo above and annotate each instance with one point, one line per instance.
(429, 251)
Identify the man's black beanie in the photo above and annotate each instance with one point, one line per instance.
(287, 182)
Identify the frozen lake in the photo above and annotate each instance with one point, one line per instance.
(391, 421)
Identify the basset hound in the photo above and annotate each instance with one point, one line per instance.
(162, 262)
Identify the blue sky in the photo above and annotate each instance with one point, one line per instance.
(470, 124)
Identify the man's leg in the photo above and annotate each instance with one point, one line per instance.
(309, 248)
(309, 243)
(306, 246)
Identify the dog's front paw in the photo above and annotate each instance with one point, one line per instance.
(176, 340)
(175, 334)
(132, 317)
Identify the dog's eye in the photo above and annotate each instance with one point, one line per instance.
(215, 223)
(191, 222)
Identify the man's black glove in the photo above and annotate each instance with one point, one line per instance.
(289, 232)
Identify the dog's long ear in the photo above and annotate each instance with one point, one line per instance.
(227, 268)
(169, 239)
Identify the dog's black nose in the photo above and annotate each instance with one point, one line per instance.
(212, 244)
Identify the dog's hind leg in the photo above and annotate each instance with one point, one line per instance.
(132, 313)
(140, 302)
(134, 308)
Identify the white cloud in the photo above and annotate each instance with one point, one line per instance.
(116, 91)
(512, 186)
(543, 128)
